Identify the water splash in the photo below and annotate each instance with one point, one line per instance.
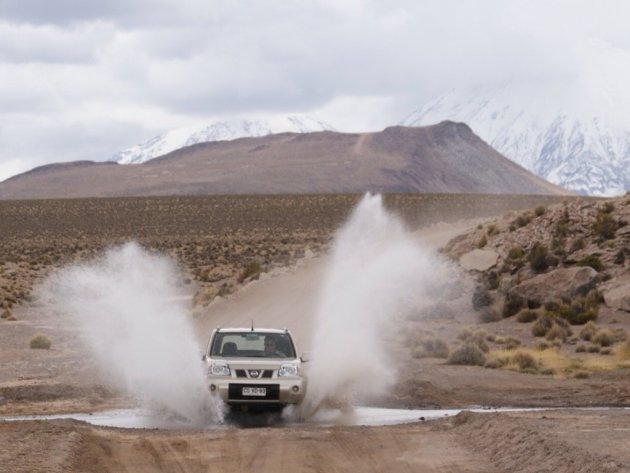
(377, 273)
(138, 327)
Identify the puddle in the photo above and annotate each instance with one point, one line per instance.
(367, 416)
(123, 418)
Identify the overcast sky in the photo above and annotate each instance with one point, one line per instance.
(83, 79)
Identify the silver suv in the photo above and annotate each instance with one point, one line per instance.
(254, 367)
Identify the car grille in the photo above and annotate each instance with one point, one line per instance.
(235, 392)
(254, 373)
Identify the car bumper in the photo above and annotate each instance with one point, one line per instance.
(277, 391)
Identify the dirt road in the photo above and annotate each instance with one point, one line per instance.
(550, 441)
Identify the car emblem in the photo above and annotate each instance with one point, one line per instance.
(254, 373)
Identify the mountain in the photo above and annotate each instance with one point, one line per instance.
(218, 131)
(573, 134)
(443, 158)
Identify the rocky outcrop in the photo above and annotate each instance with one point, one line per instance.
(562, 284)
(479, 260)
(616, 294)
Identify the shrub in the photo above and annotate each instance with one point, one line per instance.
(620, 257)
(481, 298)
(557, 246)
(594, 349)
(580, 348)
(5, 314)
(492, 280)
(556, 332)
(488, 315)
(588, 331)
(251, 271)
(523, 220)
(464, 335)
(581, 375)
(525, 316)
(540, 210)
(623, 352)
(495, 363)
(538, 257)
(541, 326)
(512, 343)
(593, 261)
(467, 354)
(493, 230)
(607, 208)
(483, 241)
(512, 305)
(604, 338)
(605, 226)
(40, 341)
(432, 348)
(516, 252)
(578, 312)
(562, 225)
(525, 361)
(577, 245)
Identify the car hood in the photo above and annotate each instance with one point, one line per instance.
(257, 363)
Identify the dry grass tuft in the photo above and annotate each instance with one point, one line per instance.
(431, 348)
(40, 341)
(525, 316)
(588, 331)
(623, 351)
(554, 361)
(467, 354)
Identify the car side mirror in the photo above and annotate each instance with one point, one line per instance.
(305, 357)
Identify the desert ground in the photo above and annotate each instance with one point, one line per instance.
(264, 259)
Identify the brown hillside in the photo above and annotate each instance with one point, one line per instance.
(443, 158)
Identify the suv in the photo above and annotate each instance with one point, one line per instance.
(254, 367)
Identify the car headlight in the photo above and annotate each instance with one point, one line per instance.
(289, 369)
(219, 368)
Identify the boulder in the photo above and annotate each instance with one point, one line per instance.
(559, 284)
(479, 260)
(616, 294)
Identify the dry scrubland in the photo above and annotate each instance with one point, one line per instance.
(219, 241)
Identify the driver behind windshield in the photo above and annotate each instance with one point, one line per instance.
(271, 349)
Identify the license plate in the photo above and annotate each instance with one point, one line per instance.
(254, 392)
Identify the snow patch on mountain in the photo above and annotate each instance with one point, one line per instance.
(573, 131)
(217, 131)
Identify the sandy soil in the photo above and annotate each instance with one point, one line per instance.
(63, 380)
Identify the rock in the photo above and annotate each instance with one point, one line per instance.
(617, 294)
(559, 284)
(479, 260)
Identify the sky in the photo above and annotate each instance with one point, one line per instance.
(84, 79)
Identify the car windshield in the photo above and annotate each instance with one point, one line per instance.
(252, 345)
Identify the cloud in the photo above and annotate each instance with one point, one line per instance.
(125, 70)
(26, 43)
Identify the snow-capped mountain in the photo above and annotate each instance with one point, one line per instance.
(572, 132)
(217, 131)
